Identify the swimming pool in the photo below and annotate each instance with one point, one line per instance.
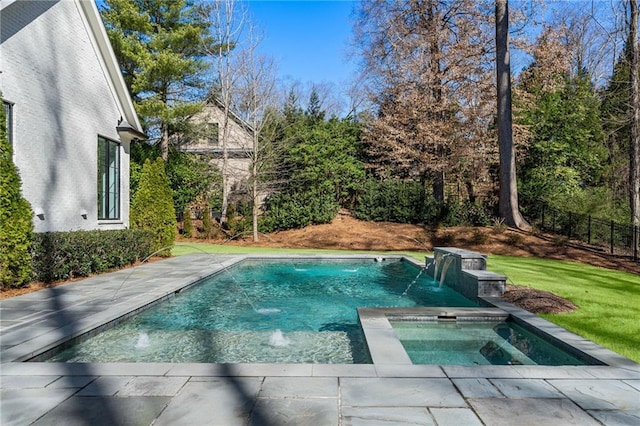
(268, 311)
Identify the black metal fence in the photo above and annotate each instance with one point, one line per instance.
(610, 236)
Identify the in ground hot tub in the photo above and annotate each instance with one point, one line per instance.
(462, 336)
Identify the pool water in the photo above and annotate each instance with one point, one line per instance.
(477, 343)
(263, 311)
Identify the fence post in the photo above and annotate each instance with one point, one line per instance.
(611, 240)
(570, 223)
(553, 222)
(542, 226)
(589, 229)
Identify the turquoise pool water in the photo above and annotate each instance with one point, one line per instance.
(281, 311)
(477, 343)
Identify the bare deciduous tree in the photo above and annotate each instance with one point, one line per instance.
(255, 100)
(227, 19)
(426, 65)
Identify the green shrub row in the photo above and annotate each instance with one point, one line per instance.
(297, 210)
(406, 202)
(63, 255)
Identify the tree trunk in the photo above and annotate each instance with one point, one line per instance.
(508, 204)
(436, 93)
(164, 142)
(226, 187)
(634, 163)
(254, 186)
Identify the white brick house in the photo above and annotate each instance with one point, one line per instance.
(70, 116)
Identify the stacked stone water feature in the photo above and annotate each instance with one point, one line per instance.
(466, 272)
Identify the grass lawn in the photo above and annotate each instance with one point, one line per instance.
(609, 301)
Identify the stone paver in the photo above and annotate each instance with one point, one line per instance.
(386, 416)
(24, 406)
(455, 417)
(97, 411)
(295, 412)
(223, 401)
(390, 392)
(300, 387)
(600, 394)
(477, 388)
(105, 386)
(404, 392)
(617, 418)
(526, 388)
(152, 386)
(530, 412)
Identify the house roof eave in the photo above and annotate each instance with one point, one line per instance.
(90, 10)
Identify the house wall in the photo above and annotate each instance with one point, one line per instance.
(239, 140)
(55, 76)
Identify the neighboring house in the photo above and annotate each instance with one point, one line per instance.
(70, 116)
(209, 141)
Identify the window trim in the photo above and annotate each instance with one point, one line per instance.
(103, 194)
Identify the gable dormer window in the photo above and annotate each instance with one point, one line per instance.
(212, 135)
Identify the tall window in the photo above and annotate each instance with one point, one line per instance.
(108, 179)
(212, 133)
(8, 113)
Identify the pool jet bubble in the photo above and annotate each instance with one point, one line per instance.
(277, 339)
(267, 311)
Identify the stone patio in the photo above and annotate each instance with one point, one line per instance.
(382, 393)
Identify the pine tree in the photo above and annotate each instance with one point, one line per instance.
(152, 206)
(15, 219)
(161, 46)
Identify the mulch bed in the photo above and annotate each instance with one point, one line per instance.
(537, 301)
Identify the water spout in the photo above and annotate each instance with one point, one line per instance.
(447, 261)
(404, 293)
(437, 258)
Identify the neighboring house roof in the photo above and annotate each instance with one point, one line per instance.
(235, 117)
(130, 122)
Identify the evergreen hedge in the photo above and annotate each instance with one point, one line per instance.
(63, 255)
(297, 210)
(152, 206)
(16, 224)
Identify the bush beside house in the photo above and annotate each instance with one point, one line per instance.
(65, 255)
(152, 206)
(16, 226)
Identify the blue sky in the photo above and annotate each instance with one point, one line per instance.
(308, 39)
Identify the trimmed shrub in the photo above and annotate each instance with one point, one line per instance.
(458, 213)
(64, 255)
(16, 226)
(152, 206)
(297, 210)
(187, 223)
(207, 225)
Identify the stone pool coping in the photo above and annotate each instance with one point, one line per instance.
(165, 393)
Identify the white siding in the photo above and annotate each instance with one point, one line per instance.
(62, 101)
